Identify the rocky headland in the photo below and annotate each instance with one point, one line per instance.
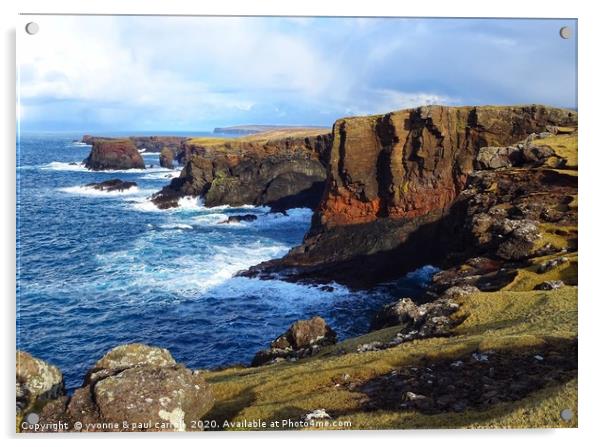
(396, 192)
(280, 169)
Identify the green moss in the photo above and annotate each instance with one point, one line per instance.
(565, 146)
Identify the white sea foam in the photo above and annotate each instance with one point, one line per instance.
(161, 175)
(80, 167)
(61, 166)
(176, 226)
(90, 191)
(188, 274)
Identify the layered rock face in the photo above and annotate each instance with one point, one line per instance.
(113, 154)
(132, 388)
(392, 178)
(283, 172)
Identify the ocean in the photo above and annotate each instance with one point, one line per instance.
(98, 269)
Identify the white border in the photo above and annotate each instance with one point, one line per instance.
(589, 178)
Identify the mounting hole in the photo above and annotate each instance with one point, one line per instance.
(566, 414)
(565, 32)
(32, 28)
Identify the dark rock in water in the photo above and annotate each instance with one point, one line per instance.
(240, 218)
(302, 339)
(37, 383)
(112, 185)
(138, 384)
(113, 154)
(166, 158)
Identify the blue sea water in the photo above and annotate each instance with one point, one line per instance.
(97, 269)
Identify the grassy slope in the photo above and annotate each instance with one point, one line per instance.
(516, 318)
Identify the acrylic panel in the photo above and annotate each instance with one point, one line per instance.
(287, 223)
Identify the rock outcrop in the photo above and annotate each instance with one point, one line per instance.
(302, 339)
(280, 172)
(146, 144)
(132, 388)
(37, 383)
(391, 183)
(166, 158)
(113, 154)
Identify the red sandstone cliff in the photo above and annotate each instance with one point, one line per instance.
(391, 179)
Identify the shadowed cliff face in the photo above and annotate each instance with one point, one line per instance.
(282, 173)
(391, 180)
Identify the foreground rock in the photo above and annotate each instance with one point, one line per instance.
(37, 383)
(394, 178)
(113, 185)
(302, 339)
(133, 388)
(113, 155)
(264, 169)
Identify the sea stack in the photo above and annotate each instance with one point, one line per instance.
(113, 154)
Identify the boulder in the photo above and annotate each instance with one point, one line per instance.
(429, 319)
(112, 185)
(113, 154)
(166, 158)
(138, 384)
(37, 383)
(303, 338)
(169, 398)
(491, 157)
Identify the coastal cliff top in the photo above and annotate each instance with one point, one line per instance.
(261, 137)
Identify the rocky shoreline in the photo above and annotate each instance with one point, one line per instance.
(488, 194)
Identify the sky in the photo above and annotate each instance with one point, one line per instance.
(195, 73)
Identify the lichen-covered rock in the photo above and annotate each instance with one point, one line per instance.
(113, 154)
(129, 356)
(132, 388)
(37, 383)
(498, 157)
(550, 285)
(303, 338)
(429, 319)
(169, 398)
(166, 158)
